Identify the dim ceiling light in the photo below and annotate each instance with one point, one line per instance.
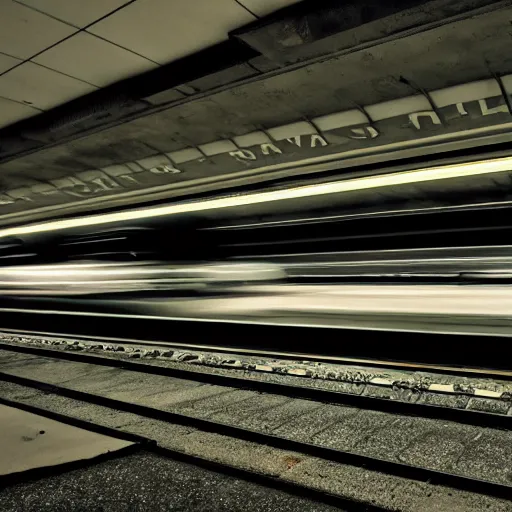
(349, 185)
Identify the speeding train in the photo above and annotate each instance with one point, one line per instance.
(425, 244)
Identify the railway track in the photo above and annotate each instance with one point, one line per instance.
(274, 426)
(100, 341)
(433, 349)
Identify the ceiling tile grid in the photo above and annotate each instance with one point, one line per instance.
(93, 60)
(11, 111)
(25, 32)
(164, 30)
(40, 87)
(79, 13)
(7, 62)
(264, 7)
(46, 60)
(53, 51)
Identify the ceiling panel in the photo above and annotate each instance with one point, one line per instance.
(265, 7)
(10, 112)
(40, 87)
(93, 60)
(7, 62)
(164, 30)
(76, 12)
(25, 32)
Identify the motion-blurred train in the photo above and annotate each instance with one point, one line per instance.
(85, 278)
(435, 244)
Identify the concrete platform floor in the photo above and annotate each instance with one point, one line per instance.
(148, 482)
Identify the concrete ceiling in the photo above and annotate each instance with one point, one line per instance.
(311, 91)
(53, 51)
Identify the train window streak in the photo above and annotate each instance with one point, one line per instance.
(95, 241)
(361, 216)
(366, 228)
(365, 236)
(385, 252)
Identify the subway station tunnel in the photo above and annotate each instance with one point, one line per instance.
(272, 177)
(354, 144)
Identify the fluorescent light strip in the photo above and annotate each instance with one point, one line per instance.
(350, 185)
